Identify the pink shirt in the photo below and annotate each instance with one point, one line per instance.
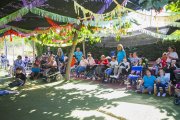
(83, 63)
(91, 61)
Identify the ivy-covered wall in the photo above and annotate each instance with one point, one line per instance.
(152, 51)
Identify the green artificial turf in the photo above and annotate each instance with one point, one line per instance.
(81, 99)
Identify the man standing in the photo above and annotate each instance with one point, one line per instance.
(78, 54)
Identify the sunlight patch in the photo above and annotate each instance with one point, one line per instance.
(31, 111)
(82, 114)
(113, 95)
(133, 111)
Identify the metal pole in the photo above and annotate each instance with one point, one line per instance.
(84, 49)
(5, 51)
(23, 47)
(33, 51)
(13, 54)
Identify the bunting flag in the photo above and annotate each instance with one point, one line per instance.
(52, 23)
(53, 16)
(13, 16)
(85, 11)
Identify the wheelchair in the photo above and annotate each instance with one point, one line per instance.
(52, 74)
(177, 88)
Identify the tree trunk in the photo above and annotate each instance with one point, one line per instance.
(70, 56)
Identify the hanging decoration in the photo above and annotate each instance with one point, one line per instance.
(105, 6)
(53, 16)
(97, 17)
(13, 16)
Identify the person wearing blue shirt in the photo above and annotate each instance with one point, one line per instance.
(162, 81)
(147, 82)
(121, 53)
(78, 54)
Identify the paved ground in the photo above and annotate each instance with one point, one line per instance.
(82, 100)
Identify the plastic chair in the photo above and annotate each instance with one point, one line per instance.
(137, 70)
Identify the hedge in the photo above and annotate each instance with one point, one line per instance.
(152, 51)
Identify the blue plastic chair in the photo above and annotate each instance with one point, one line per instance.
(138, 73)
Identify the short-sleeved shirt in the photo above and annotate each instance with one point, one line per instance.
(149, 80)
(163, 79)
(113, 64)
(172, 54)
(121, 55)
(78, 55)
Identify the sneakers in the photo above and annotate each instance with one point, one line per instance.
(159, 94)
(106, 80)
(164, 95)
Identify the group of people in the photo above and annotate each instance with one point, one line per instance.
(106, 67)
(161, 74)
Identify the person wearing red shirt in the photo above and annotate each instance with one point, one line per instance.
(164, 59)
(102, 65)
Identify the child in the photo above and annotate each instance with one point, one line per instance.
(35, 72)
(20, 78)
(164, 59)
(162, 81)
(112, 65)
(147, 83)
(157, 66)
(123, 67)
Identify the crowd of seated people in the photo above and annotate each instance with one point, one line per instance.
(152, 78)
(107, 67)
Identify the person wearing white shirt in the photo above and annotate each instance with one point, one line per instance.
(172, 54)
(111, 65)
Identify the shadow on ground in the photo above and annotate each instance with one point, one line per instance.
(86, 100)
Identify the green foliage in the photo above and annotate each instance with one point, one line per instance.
(153, 4)
(174, 6)
(151, 52)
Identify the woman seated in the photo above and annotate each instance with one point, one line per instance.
(111, 65)
(82, 66)
(99, 71)
(147, 84)
(170, 69)
(51, 65)
(35, 72)
(90, 67)
(18, 63)
(162, 81)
